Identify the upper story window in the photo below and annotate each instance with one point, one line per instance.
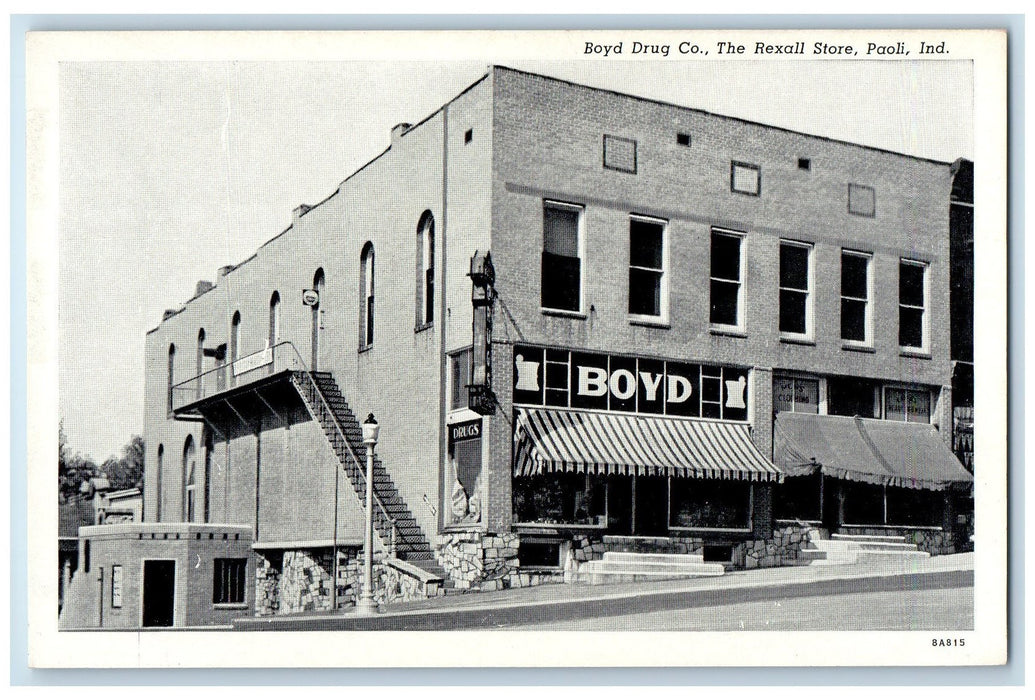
(274, 330)
(648, 286)
(727, 274)
(170, 378)
(856, 314)
(366, 296)
(909, 405)
(235, 336)
(189, 464)
(795, 289)
(562, 257)
(200, 364)
(425, 294)
(745, 178)
(912, 305)
(862, 200)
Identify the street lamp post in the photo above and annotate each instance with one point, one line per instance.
(365, 605)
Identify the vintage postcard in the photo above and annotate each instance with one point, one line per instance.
(517, 348)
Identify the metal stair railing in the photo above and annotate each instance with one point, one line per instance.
(312, 389)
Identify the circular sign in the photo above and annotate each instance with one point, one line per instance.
(310, 297)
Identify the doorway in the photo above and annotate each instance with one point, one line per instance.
(651, 511)
(159, 593)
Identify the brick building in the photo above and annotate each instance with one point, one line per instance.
(696, 334)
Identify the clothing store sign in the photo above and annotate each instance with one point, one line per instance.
(586, 380)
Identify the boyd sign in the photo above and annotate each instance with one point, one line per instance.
(574, 379)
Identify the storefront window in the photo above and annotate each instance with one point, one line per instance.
(852, 397)
(796, 395)
(702, 503)
(916, 507)
(562, 498)
(464, 474)
(909, 405)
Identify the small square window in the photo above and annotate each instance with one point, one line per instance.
(683, 139)
(468, 136)
(619, 154)
(745, 178)
(228, 581)
(862, 200)
(804, 164)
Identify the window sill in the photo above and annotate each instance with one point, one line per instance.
(728, 331)
(730, 530)
(649, 322)
(563, 313)
(556, 526)
(229, 606)
(363, 348)
(914, 352)
(423, 327)
(797, 340)
(857, 347)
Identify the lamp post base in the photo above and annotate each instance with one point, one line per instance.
(365, 607)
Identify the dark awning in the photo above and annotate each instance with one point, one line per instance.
(891, 453)
(610, 443)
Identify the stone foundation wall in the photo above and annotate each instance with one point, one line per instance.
(300, 581)
(783, 549)
(483, 562)
(934, 542)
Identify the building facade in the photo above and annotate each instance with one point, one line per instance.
(583, 320)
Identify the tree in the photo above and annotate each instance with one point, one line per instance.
(127, 471)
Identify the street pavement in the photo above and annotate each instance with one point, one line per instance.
(556, 606)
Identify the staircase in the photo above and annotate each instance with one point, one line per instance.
(852, 549)
(393, 521)
(624, 567)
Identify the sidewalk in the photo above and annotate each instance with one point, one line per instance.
(553, 602)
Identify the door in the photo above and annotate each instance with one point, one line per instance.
(651, 511)
(159, 593)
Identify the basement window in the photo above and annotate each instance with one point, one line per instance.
(539, 554)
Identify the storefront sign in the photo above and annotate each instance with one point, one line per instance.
(575, 379)
(253, 361)
(468, 430)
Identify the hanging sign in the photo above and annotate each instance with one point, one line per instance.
(310, 297)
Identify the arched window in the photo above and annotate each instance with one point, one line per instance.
(366, 296)
(158, 483)
(235, 343)
(171, 377)
(318, 284)
(189, 464)
(274, 336)
(207, 483)
(200, 365)
(425, 294)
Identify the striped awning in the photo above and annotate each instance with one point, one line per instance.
(548, 440)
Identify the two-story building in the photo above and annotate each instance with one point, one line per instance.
(693, 333)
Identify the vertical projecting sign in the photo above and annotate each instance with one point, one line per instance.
(483, 294)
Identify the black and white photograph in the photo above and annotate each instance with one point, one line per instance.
(465, 334)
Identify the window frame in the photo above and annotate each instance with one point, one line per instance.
(867, 341)
(227, 585)
(739, 327)
(662, 318)
(809, 335)
(794, 377)
(424, 292)
(580, 211)
(906, 388)
(925, 336)
(367, 295)
(610, 164)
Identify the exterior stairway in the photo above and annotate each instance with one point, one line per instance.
(623, 567)
(852, 549)
(328, 406)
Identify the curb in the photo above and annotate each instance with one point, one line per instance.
(630, 604)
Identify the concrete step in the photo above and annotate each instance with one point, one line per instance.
(864, 545)
(890, 539)
(873, 556)
(653, 558)
(596, 578)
